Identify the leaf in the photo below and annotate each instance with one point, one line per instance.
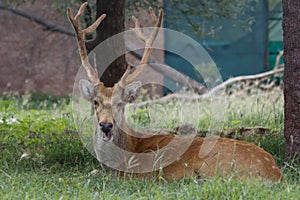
(26, 155)
(93, 173)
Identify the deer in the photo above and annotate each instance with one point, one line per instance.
(203, 156)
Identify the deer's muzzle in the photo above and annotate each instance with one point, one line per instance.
(106, 128)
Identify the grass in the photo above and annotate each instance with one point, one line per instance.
(42, 157)
(66, 184)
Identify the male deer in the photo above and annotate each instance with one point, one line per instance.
(203, 156)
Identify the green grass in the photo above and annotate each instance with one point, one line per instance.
(42, 157)
(75, 184)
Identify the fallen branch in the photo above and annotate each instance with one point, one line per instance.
(277, 61)
(245, 78)
(236, 133)
(215, 92)
(49, 25)
(168, 71)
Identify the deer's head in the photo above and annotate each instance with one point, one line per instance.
(109, 102)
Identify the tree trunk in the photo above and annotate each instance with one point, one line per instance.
(291, 39)
(113, 24)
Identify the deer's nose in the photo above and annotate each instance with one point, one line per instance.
(106, 127)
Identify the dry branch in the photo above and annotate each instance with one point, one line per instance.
(246, 78)
(214, 92)
(168, 71)
(236, 133)
(277, 62)
(47, 24)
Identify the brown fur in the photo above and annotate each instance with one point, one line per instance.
(227, 157)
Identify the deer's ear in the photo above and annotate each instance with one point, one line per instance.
(87, 89)
(132, 91)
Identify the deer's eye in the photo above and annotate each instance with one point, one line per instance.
(96, 103)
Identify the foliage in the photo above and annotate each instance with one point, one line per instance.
(44, 136)
(34, 101)
(201, 14)
(187, 10)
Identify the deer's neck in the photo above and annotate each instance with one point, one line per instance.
(138, 142)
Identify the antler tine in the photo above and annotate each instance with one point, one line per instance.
(91, 72)
(80, 10)
(93, 27)
(151, 39)
(137, 29)
(153, 16)
(123, 80)
(149, 42)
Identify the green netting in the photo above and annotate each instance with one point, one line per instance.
(235, 50)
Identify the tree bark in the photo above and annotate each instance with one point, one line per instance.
(113, 24)
(291, 39)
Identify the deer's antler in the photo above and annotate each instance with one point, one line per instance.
(127, 77)
(91, 72)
